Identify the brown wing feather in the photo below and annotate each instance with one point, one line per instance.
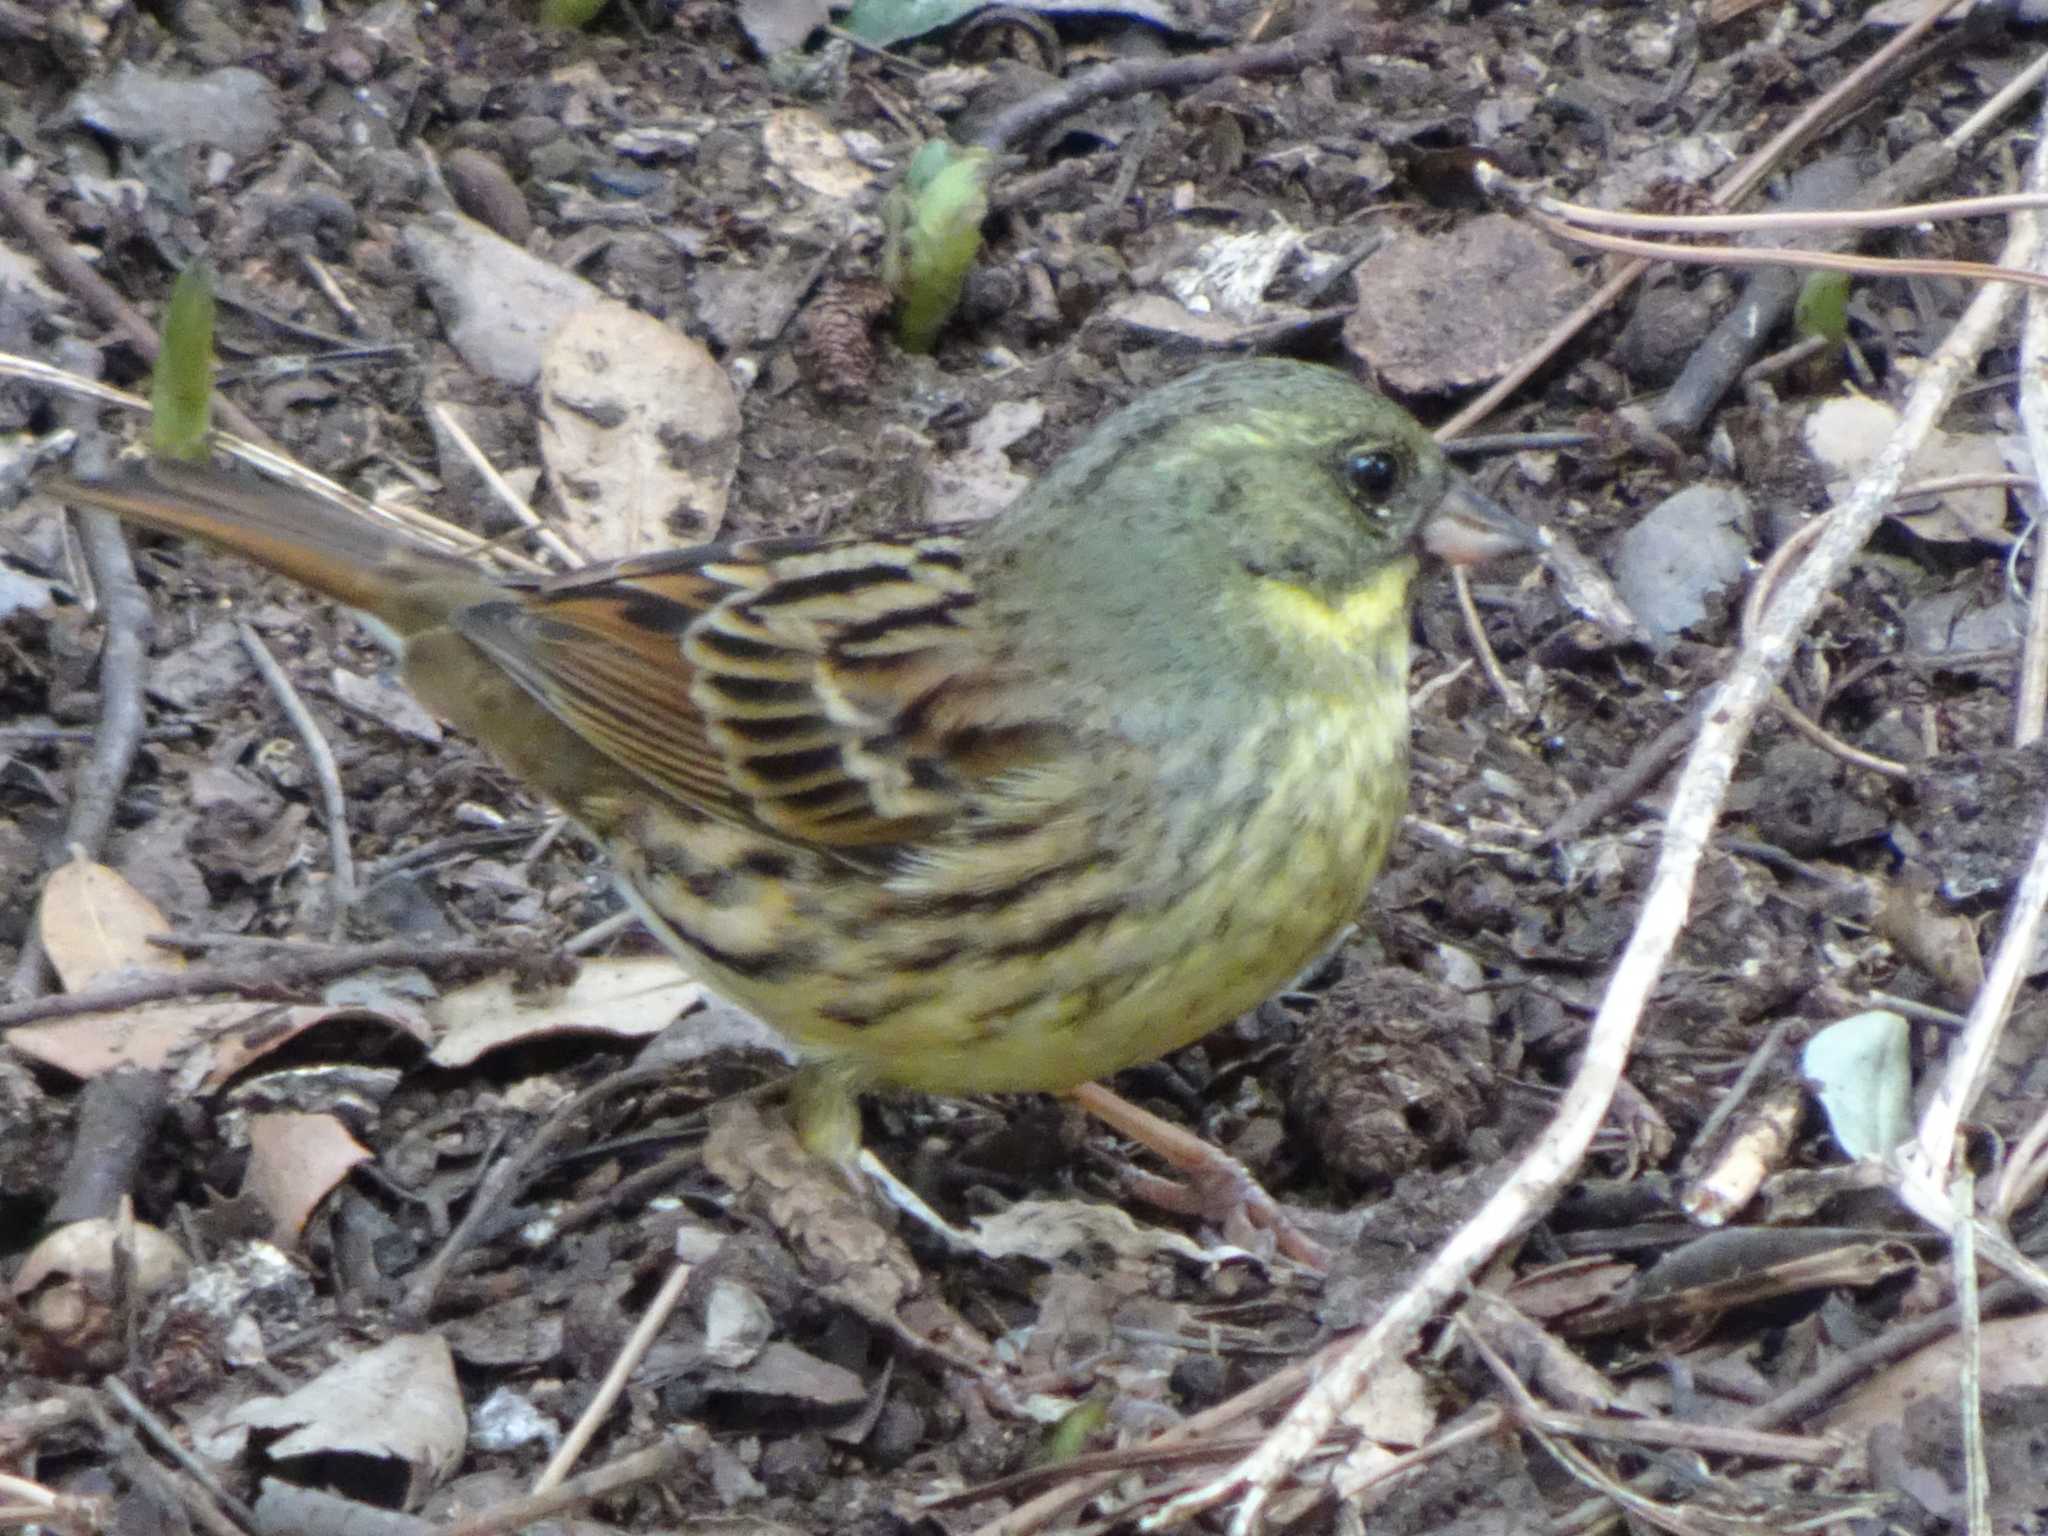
(621, 686)
(794, 688)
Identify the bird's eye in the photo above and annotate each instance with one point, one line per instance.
(1372, 472)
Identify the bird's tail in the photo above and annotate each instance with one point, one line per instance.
(368, 564)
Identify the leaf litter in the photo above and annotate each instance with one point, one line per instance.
(649, 162)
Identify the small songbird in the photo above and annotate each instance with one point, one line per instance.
(1004, 808)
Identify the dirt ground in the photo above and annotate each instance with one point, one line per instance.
(302, 1145)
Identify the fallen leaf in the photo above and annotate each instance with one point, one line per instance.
(1845, 434)
(294, 1161)
(397, 1402)
(1438, 312)
(92, 921)
(639, 429)
(805, 147)
(629, 998)
(204, 1043)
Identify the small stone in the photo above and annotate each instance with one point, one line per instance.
(796, 1466)
(898, 1433)
(484, 190)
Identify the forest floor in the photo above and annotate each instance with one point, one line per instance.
(367, 1276)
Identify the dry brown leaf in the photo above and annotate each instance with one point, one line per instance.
(92, 921)
(1437, 312)
(294, 1160)
(2014, 1356)
(1846, 433)
(639, 429)
(805, 147)
(399, 1402)
(629, 998)
(206, 1043)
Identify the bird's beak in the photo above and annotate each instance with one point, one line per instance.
(1468, 528)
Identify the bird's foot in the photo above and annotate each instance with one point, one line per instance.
(1217, 1186)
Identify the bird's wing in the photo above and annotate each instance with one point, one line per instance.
(836, 694)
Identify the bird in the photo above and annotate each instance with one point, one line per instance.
(999, 808)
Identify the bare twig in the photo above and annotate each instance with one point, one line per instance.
(1789, 256)
(1019, 123)
(50, 735)
(116, 1123)
(1899, 1339)
(1761, 591)
(2007, 96)
(1281, 1387)
(1894, 216)
(333, 805)
(27, 1503)
(1969, 1306)
(655, 1462)
(1970, 1057)
(501, 1184)
(1765, 1055)
(124, 668)
(630, 1354)
(324, 280)
(159, 1434)
(557, 545)
(2030, 702)
(2025, 1173)
(1833, 745)
(283, 966)
(1645, 767)
(1475, 630)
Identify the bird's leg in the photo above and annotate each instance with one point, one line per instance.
(1218, 1184)
(824, 1105)
(824, 1108)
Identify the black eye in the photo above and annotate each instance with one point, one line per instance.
(1372, 472)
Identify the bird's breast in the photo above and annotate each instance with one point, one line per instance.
(1082, 916)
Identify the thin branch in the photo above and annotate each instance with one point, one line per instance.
(613, 1387)
(557, 545)
(124, 668)
(1970, 1056)
(1017, 124)
(1689, 224)
(502, 1184)
(333, 804)
(281, 968)
(650, 1465)
(1787, 256)
(2030, 702)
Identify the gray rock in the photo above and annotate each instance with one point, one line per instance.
(1685, 550)
(231, 109)
(497, 302)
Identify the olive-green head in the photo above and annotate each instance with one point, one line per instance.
(1248, 516)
